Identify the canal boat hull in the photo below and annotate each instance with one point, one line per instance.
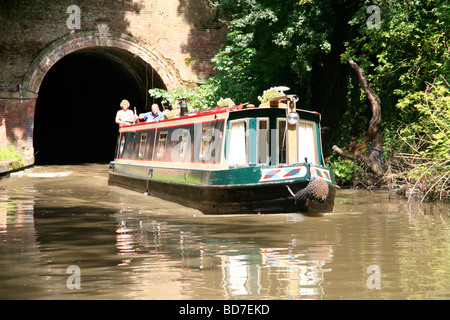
(222, 198)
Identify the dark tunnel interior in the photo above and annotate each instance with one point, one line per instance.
(78, 100)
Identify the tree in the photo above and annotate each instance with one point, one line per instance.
(425, 148)
(403, 60)
(271, 43)
(306, 44)
(374, 137)
(409, 49)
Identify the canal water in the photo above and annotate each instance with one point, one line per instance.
(66, 234)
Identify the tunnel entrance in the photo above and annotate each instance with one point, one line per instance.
(78, 100)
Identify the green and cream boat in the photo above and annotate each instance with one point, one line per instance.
(230, 160)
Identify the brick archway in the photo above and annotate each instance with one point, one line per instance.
(84, 40)
(123, 53)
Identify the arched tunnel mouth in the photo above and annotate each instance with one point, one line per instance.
(78, 99)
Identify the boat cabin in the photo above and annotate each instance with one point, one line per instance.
(239, 159)
(271, 134)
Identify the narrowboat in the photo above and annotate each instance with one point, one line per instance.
(230, 160)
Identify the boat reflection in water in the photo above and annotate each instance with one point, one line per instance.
(225, 267)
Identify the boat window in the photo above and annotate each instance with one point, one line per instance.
(307, 142)
(282, 141)
(263, 141)
(238, 143)
(161, 145)
(142, 145)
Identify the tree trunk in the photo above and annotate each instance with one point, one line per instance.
(373, 132)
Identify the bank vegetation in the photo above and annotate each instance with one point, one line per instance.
(377, 71)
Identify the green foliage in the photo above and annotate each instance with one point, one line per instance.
(410, 48)
(426, 142)
(235, 77)
(271, 43)
(10, 153)
(225, 102)
(269, 94)
(345, 171)
(430, 135)
(410, 45)
(200, 98)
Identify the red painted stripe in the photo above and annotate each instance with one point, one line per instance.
(198, 114)
(133, 127)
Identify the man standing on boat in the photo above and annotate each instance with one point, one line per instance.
(153, 115)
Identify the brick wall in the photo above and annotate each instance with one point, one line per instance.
(179, 29)
(186, 33)
(16, 123)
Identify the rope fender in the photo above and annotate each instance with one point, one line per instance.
(316, 189)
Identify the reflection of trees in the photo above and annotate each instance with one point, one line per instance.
(421, 250)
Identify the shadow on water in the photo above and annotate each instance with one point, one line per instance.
(131, 246)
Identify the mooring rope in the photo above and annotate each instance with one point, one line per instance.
(382, 158)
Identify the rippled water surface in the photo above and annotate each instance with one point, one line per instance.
(131, 246)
